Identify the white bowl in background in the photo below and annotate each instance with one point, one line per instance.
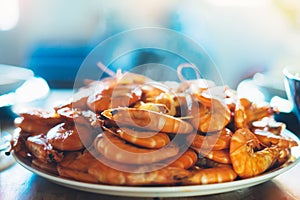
(12, 77)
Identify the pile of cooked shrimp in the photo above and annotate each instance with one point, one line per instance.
(128, 129)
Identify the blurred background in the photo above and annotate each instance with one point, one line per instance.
(242, 38)
(249, 41)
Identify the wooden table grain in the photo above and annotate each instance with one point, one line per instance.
(17, 183)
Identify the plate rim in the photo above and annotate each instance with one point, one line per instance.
(166, 191)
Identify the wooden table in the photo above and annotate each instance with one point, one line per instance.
(17, 183)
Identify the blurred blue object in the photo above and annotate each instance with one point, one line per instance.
(57, 64)
(292, 85)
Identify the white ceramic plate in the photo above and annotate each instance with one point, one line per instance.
(168, 191)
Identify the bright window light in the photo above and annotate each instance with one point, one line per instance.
(9, 14)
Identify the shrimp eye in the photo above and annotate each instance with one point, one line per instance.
(113, 112)
(179, 177)
(51, 157)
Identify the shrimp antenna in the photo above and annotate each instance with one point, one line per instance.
(106, 70)
(187, 65)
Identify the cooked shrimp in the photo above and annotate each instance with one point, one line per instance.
(221, 174)
(66, 137)
(220, 156)
(126, 78)
(247, 112)
(240, 116)
(48, 167)
(204, 162)
(148, 139)
(113, 96)
(122, 89)
(215, 140)
(270, 139)
(163, 176)
(40, 148)
(210, 114)
(175, 102)
(37, 121)
(31, 127)
(79, 117)
(146, 119)
(76, 175)
(156, 107)
(130, 130)
(186, 160)
(77, 160)
(269, 124)
(48, 117)
(284, 155)
(247, 161)
(116, 149)
(152, 89)
(18, 144)
(75, 165)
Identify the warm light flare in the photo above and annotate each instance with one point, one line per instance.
(9, 14)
